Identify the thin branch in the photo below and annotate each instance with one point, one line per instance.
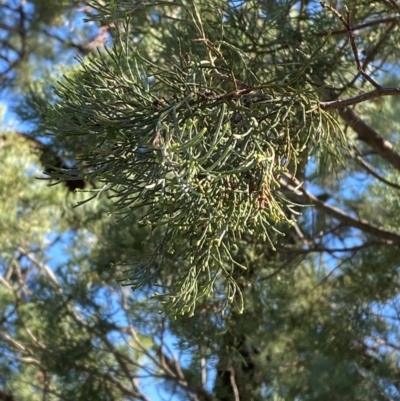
(346, 23)
(120, 358)
(341, 103)
(45, 269)
(16, 343)
(84, 48)
(234, 386)
(369, 169)
(19, 28)
(301, 196)
(358, 27)
(372, 52)
(322, 249)
(284, 265)
(5, 283)
(203, 371)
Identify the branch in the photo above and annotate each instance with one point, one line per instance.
(369, 169)
(322, 249)
(234, 386)
(395, 5)
(346, 23)
(45, 269)
(341, 103)
(301, 196)
(368, 135)
(20, 29)
(358, 27)
(373, 51)
(124, 362)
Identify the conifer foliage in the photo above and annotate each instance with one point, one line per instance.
(198, 140)
(235, 166)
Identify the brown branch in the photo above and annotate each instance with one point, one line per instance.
(395, 5)
(357, 27)
(370, 170)
(322, 249)
(373, 52)
(340, 103)
(301, 196)
(346, 23)
(234, 386)
(368, 135)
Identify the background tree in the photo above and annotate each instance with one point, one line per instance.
(250, 150)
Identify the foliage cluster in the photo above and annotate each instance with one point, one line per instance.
(240, 161)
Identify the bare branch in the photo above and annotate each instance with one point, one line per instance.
(84, 48)
(321, 249)
(358, 27)
(346, 23)
(341, 103)
(369, 169)
(45, 269)
(368, 135)
(301, 196)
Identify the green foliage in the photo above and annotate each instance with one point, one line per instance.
(222, 179)
(25, 205)
(200, 147)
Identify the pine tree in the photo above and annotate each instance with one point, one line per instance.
(247, 153)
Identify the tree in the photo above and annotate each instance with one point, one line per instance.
(248, 153)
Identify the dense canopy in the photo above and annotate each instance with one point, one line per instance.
(216, 214)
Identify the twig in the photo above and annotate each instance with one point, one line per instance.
(372, 52)
(234, 386)
(358, 27)
(322, 249)
(341, 103)
(346, 23)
